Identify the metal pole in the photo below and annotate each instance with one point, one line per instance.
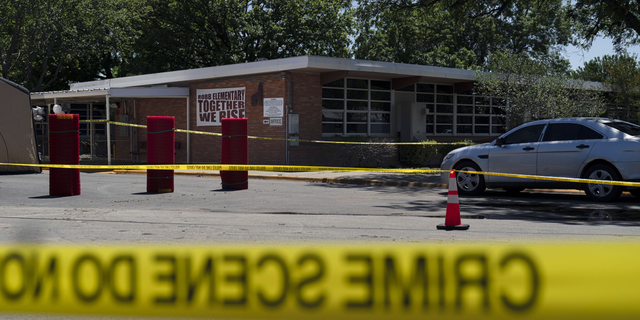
(46, 138)
(188, 136)
(108, 133)
(91, 128)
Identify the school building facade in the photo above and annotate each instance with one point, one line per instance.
(301, 98)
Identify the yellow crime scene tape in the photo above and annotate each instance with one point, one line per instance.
(281, 139)
(241, 167)
(588, 281)
(224, 167)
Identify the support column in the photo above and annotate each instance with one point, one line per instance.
(108, 132)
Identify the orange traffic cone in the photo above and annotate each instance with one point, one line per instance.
(452, 219)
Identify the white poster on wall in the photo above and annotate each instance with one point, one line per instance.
(273, 107)
(216, 104)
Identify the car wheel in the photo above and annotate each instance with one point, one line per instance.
(469, 184)
(602, 192)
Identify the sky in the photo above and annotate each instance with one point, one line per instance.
(601, 47)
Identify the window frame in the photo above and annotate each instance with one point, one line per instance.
(352, 94)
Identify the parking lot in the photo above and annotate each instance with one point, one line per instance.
(115, 208)
(307, 208)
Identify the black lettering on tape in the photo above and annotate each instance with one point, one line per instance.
(18, 259)
(482, 281)
(50, 273)
(240, 278)
(170, 277)
(366, 279)
(128, 263)
(285, 281)
(311, 258)
(193, 282)
(418, 278)
(87, 261)
(534, 278)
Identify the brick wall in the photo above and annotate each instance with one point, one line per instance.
(307, 102)
(307, 91)
(163, 107)
(206, 149)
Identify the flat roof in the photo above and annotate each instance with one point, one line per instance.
(174, 83)
(363, 68)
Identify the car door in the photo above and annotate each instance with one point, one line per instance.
(516, 156)
(563, 150)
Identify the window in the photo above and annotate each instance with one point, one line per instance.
(628, 128)
(525, 135)
(83, 110)
(356, 107)
(461, 114)
(569, 131)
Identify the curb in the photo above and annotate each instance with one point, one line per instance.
(307, 179)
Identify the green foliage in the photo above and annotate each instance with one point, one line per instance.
(617, 19)
(536, 89)
(45, 44)
(416, 155)
(185, 34)
(458, 34)
(366, 155)
(443, 149)
(624, 77)
(622, 73)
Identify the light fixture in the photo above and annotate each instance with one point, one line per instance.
(57, 109)
(37, 113)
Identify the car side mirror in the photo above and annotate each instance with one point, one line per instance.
(500, 142)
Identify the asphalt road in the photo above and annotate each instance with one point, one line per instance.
(115, 208)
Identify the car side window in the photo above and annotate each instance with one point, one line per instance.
(524, 135)
(569, 131)
(588, 134)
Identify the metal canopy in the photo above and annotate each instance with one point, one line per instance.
(98, 95)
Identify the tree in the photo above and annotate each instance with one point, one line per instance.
(594, 70)
(45, 44)
(621, 73)
(624, 78)
(615, 19)
(187, 34)
(459, 34)
(536, 89)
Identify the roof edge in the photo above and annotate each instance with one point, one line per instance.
(15, 85)
(266, 66)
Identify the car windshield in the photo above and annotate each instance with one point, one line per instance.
(628, 128)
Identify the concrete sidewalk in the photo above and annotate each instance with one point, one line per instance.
(355, 177)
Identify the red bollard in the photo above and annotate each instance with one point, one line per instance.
(160, 150)
(235, 150)
(64, 144)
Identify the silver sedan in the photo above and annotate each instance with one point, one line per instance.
(590, 148)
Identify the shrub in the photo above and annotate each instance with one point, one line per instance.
(443, 149)
(416, 155)
(367, 155)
